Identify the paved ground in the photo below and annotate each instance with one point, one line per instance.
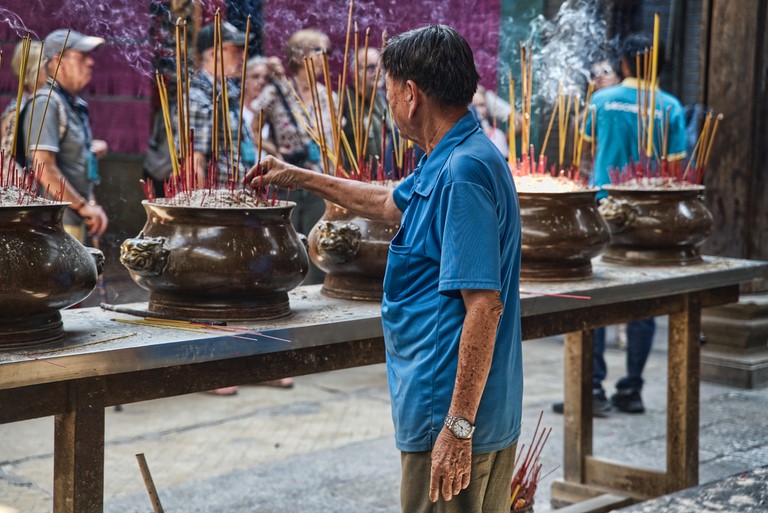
(326, 445)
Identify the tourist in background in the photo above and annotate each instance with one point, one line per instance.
(65, 148)
(615, 118)
(33, 79)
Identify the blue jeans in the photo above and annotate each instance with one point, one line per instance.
(639, 341)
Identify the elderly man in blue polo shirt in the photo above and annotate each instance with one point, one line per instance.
(451, 310)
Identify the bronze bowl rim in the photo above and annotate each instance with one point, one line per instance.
(284, 204)
(654, 189)
(52, 204)
(586, 190)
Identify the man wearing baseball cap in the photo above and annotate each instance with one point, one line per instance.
(229, 59)
(65, 145)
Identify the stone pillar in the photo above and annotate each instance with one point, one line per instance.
(736, 71)
(736, 352)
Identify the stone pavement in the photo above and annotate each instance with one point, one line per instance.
(326, 445)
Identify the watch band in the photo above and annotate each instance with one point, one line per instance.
(460, 427)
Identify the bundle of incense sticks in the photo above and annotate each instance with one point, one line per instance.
(529, 165)
(339, 149)
(528, 469)
(25, 180)
(654, 167)
(564, 106)
(188, 177)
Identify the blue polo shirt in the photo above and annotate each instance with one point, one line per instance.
(616, 128)
(460, 230)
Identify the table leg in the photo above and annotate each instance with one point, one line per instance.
(78, 462)
(577, 413)
(684, 374)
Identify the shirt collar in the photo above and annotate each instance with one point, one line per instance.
(431, 165)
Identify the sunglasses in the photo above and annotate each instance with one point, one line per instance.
(320, 49)
(601, 71)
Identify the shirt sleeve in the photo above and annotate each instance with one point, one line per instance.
(470, 245)
(49, 135)
(402, 193)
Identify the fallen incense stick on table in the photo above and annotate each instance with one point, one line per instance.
(146, 313)
(567, 296)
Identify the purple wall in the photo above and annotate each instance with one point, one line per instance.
(123, 82)
(119, 93)
(476, 20)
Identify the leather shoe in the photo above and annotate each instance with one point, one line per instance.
(628, 401)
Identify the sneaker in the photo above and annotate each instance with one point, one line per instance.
(628, 401)
(600, 406)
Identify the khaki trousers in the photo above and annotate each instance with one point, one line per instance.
(488, 490)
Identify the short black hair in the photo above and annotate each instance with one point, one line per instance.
(640, 43)
(438, 60)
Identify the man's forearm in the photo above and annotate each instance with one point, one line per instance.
(366, 199)
(478, 337)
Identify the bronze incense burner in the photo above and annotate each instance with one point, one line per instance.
(44, 270)
(561, 233)
(233, 263)
(352, 250)
(656, 225)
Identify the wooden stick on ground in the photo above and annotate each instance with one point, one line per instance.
(149, 484)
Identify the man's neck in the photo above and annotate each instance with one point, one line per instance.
(69, 88)
(436, 126)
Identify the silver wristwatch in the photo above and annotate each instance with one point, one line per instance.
(459, 426)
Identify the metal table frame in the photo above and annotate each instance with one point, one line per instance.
(101, 363)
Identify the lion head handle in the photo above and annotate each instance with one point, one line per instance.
(619, 213)
(338, 242)
(145, 256)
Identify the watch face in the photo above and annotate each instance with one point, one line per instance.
(462, 428)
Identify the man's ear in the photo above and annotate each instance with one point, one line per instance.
(413, 96)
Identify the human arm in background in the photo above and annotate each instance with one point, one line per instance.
(51, 177)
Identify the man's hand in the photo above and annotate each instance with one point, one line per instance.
(99, 148)
(95, 218)
(451, 466)
(273, 171)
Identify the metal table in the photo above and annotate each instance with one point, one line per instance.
(102, 362)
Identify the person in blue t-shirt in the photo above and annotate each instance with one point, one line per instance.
(616, 128)
(451, 307)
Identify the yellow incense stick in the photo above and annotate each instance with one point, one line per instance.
(654, 65)
(48, 99)
(370, 108)
(242, 102)
(512, 136)
(25, 44)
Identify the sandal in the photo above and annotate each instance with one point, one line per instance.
(277, 383)
(223, 391)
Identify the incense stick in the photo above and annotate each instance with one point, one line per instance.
(654, 64)
(242, 104)
(149, 483)
(567, 296)
(512, 135)
(50, 90)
